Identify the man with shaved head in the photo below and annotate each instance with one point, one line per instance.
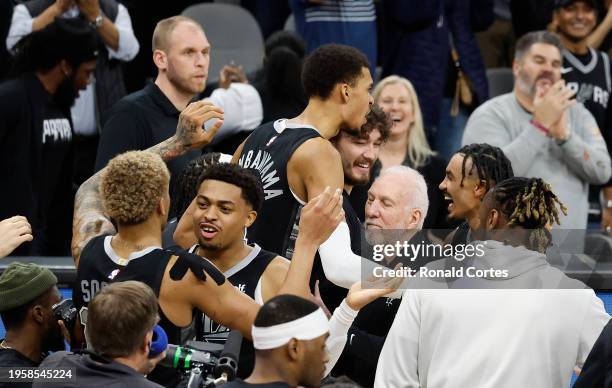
(181, 53)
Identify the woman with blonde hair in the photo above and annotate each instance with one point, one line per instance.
(407, 145)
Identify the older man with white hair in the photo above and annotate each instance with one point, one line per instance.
(397, 200)
(396, 208)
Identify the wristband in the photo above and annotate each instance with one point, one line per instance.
(539, 126)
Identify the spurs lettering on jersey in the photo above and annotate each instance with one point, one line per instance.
(213, 332)
(265, 165)
(585, 92)
(91, 288)
(56, 130)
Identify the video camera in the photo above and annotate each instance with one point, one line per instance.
(204, 364)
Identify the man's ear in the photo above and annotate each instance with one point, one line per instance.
(345, 92)
(160, 59)
(163, 207)
(65, 67)
(293, 349)
(38, 314)
(145, 347)
(480, 190)
(493, 219)
(416, 216)
(251, 217)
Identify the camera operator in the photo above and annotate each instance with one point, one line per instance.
(119, 331)
(27, 294)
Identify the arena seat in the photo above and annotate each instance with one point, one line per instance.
(501, 81)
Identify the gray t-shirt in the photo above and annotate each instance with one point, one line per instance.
(569, 168)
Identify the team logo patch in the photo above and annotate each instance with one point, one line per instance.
(113, 274)
(271, 140)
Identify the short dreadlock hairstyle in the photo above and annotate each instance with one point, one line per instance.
(491, 164)
(185, 186)
(249, 183)
(530, 204)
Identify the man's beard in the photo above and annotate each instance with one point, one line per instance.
(209, 246)
(54, 340)
(66, 94)
(183, 84)
(528, 86)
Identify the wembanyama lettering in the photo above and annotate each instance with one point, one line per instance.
(263, 163)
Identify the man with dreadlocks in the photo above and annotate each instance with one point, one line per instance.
(470, 174)
(535, 330)
(542, 130)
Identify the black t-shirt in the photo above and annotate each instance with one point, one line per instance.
(10, 357)
(267, 152)
(94, 371)
(139, 121)
(242, 384)
(36, 164)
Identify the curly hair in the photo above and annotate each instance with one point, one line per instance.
(249, 183)
(132, 185)
(529, 203)
(185, 187)
(330, 65)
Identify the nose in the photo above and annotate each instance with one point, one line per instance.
(369, 153)
(372, 209)
(200, 59)
(210, 214)
(442, 185)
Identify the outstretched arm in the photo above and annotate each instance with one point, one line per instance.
(89, 219)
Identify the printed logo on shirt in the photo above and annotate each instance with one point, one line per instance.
(586, 92)
(213, 332)
(56, 130)
(263, 163)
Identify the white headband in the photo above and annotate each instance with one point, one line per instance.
(306, 328)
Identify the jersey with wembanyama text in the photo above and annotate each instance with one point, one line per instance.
(267, 152)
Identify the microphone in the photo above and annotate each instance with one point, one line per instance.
(227, 365)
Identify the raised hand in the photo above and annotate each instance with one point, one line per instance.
(229, 74)
(190, 132)
(366, 291)
(320, 216)
(14, 231)
(550, 104)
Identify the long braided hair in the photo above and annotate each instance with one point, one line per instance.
(491, 164)
(530, 204)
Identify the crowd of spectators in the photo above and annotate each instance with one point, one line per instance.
(364, 116)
